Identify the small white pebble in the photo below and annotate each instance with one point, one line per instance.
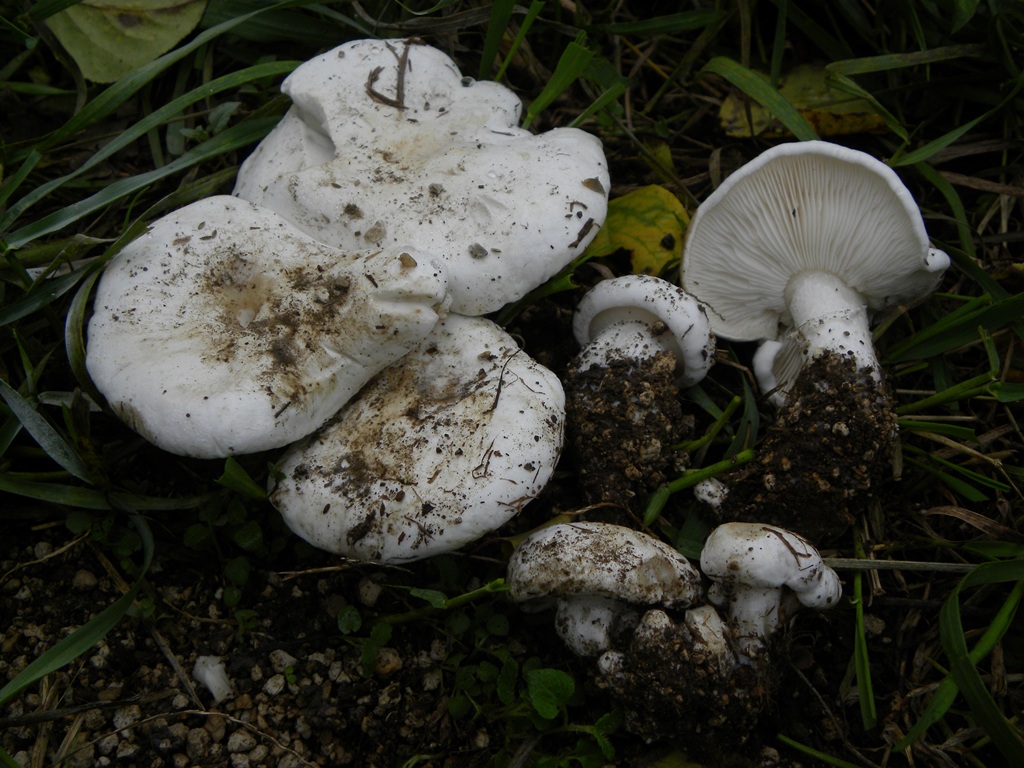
(210, 671)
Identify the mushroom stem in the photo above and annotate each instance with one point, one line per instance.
(643, 340)
(625, 340)
(587, 623)
(753, 614)
(829, 315)
(681, 677)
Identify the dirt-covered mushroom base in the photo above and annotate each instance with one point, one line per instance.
(622, 422)
(827, 452)
(670, 684)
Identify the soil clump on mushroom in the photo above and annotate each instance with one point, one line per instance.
(824, 456)
(669, 683)
(622, 441)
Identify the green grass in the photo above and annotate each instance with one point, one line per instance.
(85, 167)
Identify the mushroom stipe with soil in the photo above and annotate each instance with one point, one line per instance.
(644, 340)
(799, 248)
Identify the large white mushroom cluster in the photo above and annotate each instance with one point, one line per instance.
(331, 306)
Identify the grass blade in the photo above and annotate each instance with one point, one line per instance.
(924, 153)
(87, 635)
(963, 664)
(118, 93)
(861, 662)
(573, 63)
(51, 290)
(48, 438)
(524, 26)
(957, 330)
(152, 120)
(755, 86)
(665, 25)
(501, 14)
(235, 137)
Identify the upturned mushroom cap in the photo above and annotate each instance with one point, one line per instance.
(799, 208)
(625, 310)
(602, 559)
(439, 449)
(387, 143)
(225, 330)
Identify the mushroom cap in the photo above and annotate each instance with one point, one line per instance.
(805, 207)
(225, 330)
(624, 301)
(602, 559)
(759, 556)
(438, 450)
(387, 143)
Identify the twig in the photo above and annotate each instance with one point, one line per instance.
(855, 564)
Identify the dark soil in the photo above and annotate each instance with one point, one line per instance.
(827, 453)
(303, 693)
(623, 421)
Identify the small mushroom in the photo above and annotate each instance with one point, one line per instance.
(643, 339)
(387, 143)
(225, 330)
(441, 448)
(799, 247)
(761, 574)
(599, 577)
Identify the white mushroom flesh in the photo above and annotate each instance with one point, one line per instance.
(798, 214)
(588, 623)
(438, 450)
(210, 671)
(750, 565)
(226, 330)
(638, 316)
(387, 144)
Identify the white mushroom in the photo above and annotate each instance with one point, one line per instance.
(643, 339)
(637, 316)
(600, 577)
(439, 449)
(753, 568)
(798, 248)
(809, 236)
(225, 330)
(387, 143)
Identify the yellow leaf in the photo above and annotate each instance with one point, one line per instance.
(112, 38)
(829, 111)
(649, 223)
